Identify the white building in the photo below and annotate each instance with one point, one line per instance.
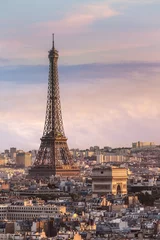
(22, 212)
(3, 211)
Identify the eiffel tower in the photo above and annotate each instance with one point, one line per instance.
(53, 156)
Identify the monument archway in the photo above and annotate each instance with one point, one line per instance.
(119, 189)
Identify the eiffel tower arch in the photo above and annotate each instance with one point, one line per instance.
(53, 156)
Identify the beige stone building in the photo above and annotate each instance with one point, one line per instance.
(109, 180)
(23, 159)
(2, 160)
(142, 144)
(111, 157)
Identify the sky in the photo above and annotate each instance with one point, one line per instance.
(109, 70)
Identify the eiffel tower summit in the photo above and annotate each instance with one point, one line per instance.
(53, 157)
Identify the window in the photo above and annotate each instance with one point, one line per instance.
(102, 187)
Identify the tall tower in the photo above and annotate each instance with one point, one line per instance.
(53, 154)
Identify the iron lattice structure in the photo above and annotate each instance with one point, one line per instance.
(53, 149)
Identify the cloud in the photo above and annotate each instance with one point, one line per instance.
(18, 50)
(4, 60)
(131, 46)
(83, 16)
(24, 46)
(134, 1)
(102, 104)
(38, 74)
(86, 33)
(91, 13)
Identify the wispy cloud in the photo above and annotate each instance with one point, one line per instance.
(131, 46)
(85, 33)
(24, 46)
(134, 1)
(79, 18)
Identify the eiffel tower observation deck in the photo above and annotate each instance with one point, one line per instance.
(53, 156)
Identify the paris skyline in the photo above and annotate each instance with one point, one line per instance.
(108, 71)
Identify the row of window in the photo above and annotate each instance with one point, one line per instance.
(30, 208)
(102, 187)
(28, 211)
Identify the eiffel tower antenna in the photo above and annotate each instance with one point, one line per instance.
(52, 40)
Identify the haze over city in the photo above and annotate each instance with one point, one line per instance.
(108, 70)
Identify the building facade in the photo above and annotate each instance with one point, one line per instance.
(23, 159)
(13, 153)
(110, 157)
(142, 144)
(29, 212)
(109, 180)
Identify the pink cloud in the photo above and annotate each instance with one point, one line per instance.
(78, 20)
(31, 48)
(134, 1)
(27, 45)
(131, 46)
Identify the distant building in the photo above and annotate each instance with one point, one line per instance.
(34, 153)
(96, 148)
(81, 153)
(89, 153)
(26, 212)
(109, 180)
(142, 144)
(107, 149)
(110, 157)
(4, 186)
(6, 152)
(23, 159)
(2, 160)
(13, 153)
(91, 148)
(76, 153)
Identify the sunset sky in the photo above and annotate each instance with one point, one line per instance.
(109, 70)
